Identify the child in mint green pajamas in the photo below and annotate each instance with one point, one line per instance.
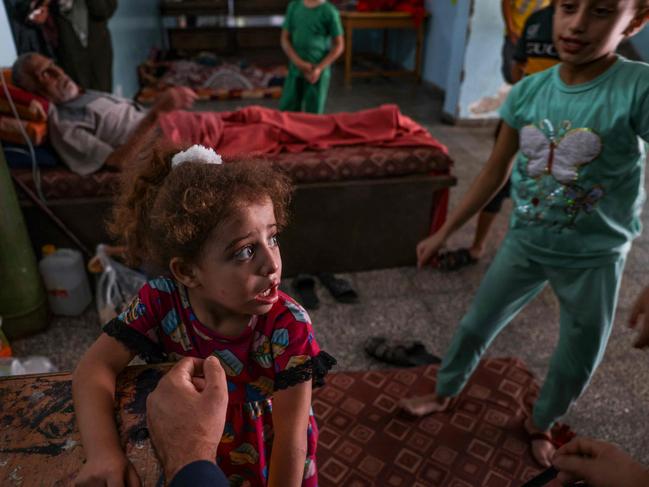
(580, 130)
(312, 39)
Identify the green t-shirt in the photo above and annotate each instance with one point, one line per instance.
(578, 179)
(312, 29)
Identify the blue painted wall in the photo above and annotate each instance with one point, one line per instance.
(8, 49)
(482, 73)
(136, 27)
(455, 75)
(641, 43)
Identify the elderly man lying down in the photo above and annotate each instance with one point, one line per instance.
(90, 129)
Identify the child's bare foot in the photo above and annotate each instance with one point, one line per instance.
(423, 405)
(541, 443)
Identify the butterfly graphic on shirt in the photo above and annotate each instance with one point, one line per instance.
(553, 161)
(559, 153)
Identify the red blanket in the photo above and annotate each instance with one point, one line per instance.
(257, 130)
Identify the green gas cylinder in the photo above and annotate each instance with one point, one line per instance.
(23, 303)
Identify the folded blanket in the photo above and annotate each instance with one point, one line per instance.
(256, 130)
(33, 112)
(10, 131)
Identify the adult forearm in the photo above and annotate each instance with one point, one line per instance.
(142, 135)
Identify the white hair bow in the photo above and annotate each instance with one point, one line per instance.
(197, 153)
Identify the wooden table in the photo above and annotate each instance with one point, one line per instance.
(385, 21)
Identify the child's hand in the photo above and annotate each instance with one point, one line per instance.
(428, 248)
(108, 470)
(314, 76)
(641, 309)
(305, 67)
(599, 464)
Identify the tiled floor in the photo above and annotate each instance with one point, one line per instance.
(428, 304)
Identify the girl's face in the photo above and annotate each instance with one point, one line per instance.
(587, 30)
(240, 268)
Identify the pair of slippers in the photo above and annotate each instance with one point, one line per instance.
(453, 260)
(402, 354)
(304, 289)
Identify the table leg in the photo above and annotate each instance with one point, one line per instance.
(349, 30)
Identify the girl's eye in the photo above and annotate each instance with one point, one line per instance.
(274, 241)
(603, 12)
(245, 253)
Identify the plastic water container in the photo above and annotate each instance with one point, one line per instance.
(66, 282)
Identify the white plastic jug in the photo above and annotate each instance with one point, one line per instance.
(66, 282)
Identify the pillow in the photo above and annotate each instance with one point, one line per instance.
(18, 156)
(36, 106)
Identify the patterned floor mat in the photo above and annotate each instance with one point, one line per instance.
(366, 440)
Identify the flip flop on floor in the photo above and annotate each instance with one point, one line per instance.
(304, 288)
(378, 348)
(452, 260)
(409, 354)
(340, 289)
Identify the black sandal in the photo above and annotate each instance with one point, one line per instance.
(453, 260)
(304, 288)
(378, 348)
(340, 289)
(409, 354)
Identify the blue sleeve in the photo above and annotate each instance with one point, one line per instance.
(200, 474)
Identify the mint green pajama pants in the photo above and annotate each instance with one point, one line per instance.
(587, 297)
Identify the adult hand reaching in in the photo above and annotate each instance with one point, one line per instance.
(598, 464)
(186, 413)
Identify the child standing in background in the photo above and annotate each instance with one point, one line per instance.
(578, 189)
(534, 53)
(312, 38)
(515, 13)
(214, 228)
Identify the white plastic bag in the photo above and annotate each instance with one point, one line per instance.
(116, 286)
(33, 364)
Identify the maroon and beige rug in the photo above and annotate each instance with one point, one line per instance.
(365, 440)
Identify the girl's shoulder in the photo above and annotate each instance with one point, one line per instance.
(286, 313)
(161, 292)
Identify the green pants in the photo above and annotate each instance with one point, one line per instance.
(299, 95)
(587, 299)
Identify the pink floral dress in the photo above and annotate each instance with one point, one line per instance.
(276, 351)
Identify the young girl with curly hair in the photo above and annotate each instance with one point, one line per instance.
(214, 228)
